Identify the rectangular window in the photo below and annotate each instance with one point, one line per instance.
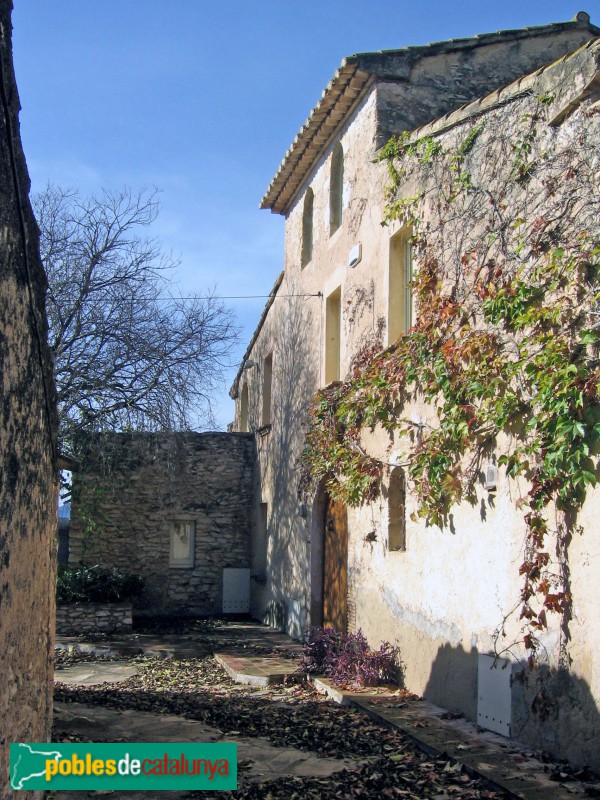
(264, 547)
(182, 544)
(244, 410)
(267, 385)
(400, 301)
(264, 517)
(333, 324)
(307, 228)
(336, 189)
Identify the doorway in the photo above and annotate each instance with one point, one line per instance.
(335, 565)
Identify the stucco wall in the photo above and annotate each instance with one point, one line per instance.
(154, 480)
(28, 485)
(442, 598)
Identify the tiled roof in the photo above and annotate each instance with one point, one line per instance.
(349, 84)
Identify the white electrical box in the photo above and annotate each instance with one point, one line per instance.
(236, 591)
(491, 477)
(494, 694)
(355, 255)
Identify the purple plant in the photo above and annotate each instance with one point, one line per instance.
(348, 660)
(320, 649)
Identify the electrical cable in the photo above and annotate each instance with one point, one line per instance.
(238, 296)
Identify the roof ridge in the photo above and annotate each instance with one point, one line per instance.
(359, 66)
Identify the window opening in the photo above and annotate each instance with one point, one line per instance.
(333, 320)
(182, 544)
(397, 510)
(336, 189)
(400, 300)
(244, 428)
(307, 227)
(267, 385)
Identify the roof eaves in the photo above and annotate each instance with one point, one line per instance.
(350, 82)
(233, 392)
(339, 98)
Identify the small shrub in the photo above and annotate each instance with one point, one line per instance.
(96, 585)
(320, 650)
(348, 660)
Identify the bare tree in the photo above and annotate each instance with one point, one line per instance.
(128, 354)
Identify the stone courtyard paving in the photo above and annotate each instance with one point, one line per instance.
(292, 742)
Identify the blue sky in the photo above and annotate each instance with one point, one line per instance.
(202, 98)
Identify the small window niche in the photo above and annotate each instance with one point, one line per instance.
(333, 327)
(183, 536)
(267, 388)
(307, 227)
(400, 285)
(397, 510)
(260, 545)
(244, 427)
(336, 189)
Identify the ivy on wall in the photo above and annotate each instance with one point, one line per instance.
(504, 354)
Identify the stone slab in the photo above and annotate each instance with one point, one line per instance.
(499, 761)
(262, 760)
(94, 672)
(256, 671)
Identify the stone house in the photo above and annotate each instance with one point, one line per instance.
(443, 592)
(173, 508)
(28, 473)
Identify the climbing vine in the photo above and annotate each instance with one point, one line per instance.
(504, 355)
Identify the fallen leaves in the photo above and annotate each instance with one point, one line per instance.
(414, 776)
(291, 716)
(388, 765)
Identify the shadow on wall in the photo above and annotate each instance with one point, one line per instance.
(551, 710)
(554, 710)
(453, 680)
(286, 548)
(276, 615)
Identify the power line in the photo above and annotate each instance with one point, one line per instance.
(237, 296)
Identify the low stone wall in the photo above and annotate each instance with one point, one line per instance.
(100, 617)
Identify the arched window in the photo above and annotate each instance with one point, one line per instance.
(244, 409)
(397, 510)
(336, 189)
(307, 227)
(400, 303)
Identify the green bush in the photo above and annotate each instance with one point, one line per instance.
(96, 585)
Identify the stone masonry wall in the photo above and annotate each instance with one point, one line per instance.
(124, 511)
(74, 618)
(28, 480)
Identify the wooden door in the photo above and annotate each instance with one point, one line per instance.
(335, 566)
